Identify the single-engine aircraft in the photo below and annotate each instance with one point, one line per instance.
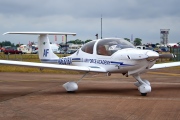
(107, 55)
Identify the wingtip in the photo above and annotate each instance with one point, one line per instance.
(5, 33)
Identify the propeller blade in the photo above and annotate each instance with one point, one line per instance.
(167, 56)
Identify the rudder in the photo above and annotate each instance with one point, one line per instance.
(44, 50)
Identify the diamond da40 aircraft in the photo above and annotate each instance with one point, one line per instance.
(108, 55)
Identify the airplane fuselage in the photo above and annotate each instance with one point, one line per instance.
(116, 63)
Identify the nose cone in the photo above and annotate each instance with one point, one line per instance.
(152, 55)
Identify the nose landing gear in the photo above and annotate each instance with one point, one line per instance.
(144, 86)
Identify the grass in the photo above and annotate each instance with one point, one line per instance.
(35, 58)
(29, 58)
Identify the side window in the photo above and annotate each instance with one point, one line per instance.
(88, 47)
(101, 50)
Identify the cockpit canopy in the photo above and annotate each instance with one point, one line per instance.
(106, 47)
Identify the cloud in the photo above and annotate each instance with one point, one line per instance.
(143, 19)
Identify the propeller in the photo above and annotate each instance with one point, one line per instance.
(167, 55)
(153, 55)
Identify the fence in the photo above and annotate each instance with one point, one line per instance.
(175, 51)
(23, 57)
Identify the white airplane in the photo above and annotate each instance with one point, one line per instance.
(108, 55)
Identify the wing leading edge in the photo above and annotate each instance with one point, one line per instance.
(54, 66)
(165, 65)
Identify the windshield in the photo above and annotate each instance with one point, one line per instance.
(109, 46)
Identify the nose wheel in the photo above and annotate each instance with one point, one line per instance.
(143, 94)
(144, 86)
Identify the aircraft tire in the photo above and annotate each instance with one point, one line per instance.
(143, 94)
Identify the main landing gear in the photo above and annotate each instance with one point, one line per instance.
(73, 86)
(144, 86)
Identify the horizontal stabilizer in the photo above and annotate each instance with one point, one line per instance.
(42, 33)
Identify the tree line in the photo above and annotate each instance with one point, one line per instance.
(6, 43)
(137, 41)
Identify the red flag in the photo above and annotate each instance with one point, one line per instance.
(29, 43)
(55, 37)
(62, 38)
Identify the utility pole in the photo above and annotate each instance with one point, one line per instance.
(101, 26)
(66, 46)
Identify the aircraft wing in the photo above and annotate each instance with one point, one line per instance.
(54, 66)
(165, 65)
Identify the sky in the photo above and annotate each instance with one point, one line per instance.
(120, 18)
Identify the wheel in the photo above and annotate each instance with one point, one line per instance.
(70, 86)
(143, 94)
(147, 82)
(71, 91)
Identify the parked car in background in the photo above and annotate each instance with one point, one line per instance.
(62, 51)
(141, 47)
(153, 49)
(12, 50)
(34, 51)
(164, 49)
(4, 47)
(149, 48)
(70, 51)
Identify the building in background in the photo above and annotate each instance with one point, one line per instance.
(164, 36)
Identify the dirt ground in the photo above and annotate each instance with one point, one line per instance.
(35, 96)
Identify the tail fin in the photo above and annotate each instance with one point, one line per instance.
(44, 49)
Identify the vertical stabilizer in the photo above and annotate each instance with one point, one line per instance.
(44, 50)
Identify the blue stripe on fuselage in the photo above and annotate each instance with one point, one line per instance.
(69, 61)
(120, 63)
(50, 60)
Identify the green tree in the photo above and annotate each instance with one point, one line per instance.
(137, 41)
(157, 44)
(6, 43)
(88, 41)
(71, 41)
(77, 41)
(18, 45)
(127, 39)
